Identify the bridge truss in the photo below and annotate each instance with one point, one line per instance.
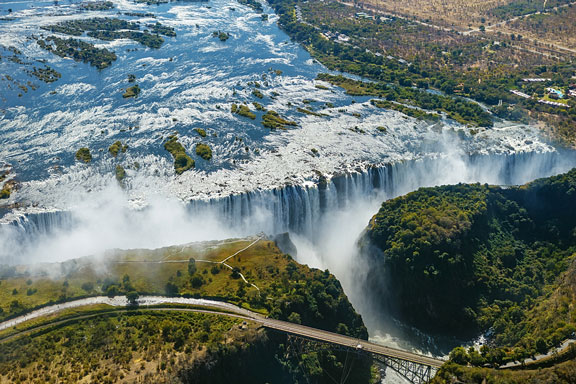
(415, 373)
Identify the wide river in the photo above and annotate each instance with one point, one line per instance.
(189, 83)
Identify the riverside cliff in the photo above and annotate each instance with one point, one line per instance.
(467, 258)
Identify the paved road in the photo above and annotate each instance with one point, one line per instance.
(230, 310)
(351, 342)
(531, 360)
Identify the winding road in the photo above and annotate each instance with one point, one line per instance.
(225, 309)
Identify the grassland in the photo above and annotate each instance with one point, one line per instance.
(462, 14)
(162, 271)
(132, 91)
(271, 119)
(204, 151)
(117, 147)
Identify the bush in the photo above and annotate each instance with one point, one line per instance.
(197, 281)
(204, 151)
(182, 162)
(84, 155)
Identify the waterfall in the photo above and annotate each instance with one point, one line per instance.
(299, 209)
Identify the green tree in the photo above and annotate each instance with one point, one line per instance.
(171, 289)
(541, 345)
(459, 356)
(191, 266)
(295, 318)
(112, 291)
(197, 281)
(132, 297)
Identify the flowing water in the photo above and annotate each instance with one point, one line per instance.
(321, 180)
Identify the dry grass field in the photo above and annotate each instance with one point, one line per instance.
(557, 27)
(458, 14)
(464, 15)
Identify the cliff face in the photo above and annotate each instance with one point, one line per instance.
(467, 257)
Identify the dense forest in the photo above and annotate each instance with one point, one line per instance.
(468, 258)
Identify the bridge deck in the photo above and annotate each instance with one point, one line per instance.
(350, 342)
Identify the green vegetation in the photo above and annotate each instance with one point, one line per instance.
(182, 162)
(204, 151)
(201, 132)
(160, 29)
(523, 7)
(466, 258)
(223, 36)
(258, 106)
(112, 29)
(84, 155)
(271, 119)
(309, 112)
(411, 57)
(257, 93)
(120, 173)
(46, 74)
(564, 373)
(6, 191)
(255, 5)
(463, 111)
(116, 148)
(132, 91)
(79, 51)
(97, 5)
(413, 112)
(285, 286)
(243, 110)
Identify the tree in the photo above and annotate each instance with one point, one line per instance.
(191, 266)
(459, 356)
(16, 306)
(171, 289)
(196, 281)
(132, 297)
(295, 318)
(541, 345)
(112, 291)
(126, 283)
(88, 287)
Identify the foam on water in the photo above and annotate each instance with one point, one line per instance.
(321, 181)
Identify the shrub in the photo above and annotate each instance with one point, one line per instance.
(204, 151)
(84, 155)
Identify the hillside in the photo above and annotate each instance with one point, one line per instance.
(151, 346)
(468, 258)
